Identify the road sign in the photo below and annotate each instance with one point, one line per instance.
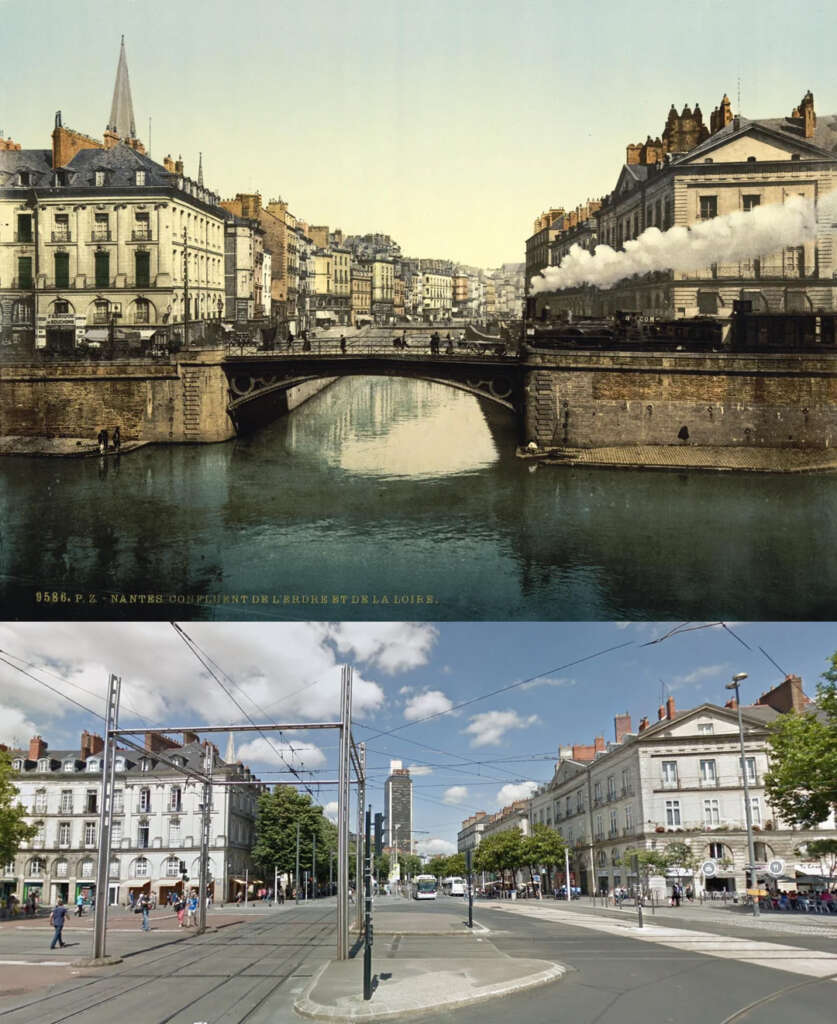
(776, 867)
(709, 868)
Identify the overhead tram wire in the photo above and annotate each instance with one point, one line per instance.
(504, 689)
(198, 654)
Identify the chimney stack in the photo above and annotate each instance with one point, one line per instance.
(178, 165)
(731, 703)
(643, 725)
(599, 744)
(661, 713)
(190, 737)
(670, 708)
(91, 744)
(787, 696)
(37, 748)
(621, 726)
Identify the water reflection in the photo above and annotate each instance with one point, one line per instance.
(379, 489)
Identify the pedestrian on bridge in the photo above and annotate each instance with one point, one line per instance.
(343, 343)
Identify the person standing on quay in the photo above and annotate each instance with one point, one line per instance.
(145, 907)
(57, 919)
(191, 908)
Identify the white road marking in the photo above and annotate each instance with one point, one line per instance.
(811, 962)
(33, 963)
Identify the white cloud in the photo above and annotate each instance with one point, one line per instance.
(455, 795)
(405, 690)
(330, 810)
(695, 678)
(280, 671)
(391, 646)
(515, 791)
(15, 728)
(547, 681)
(420, 769)
(490, 726)
(431, 702)
(432, 847)
(276, 754)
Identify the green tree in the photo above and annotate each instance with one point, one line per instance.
(382, 864)
(13, 829)
(657, 862)
(275, 847)
(455, 865)
(823, 850)
(543, 848)
(802, 780)
(500, 853)
(437, 866)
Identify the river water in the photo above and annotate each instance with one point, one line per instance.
(396, 499)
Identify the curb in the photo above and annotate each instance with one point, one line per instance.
(306, 1007)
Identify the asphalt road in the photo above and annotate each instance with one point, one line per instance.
(253, 972)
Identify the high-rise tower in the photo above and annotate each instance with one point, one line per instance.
(121, 121)
(398, 807)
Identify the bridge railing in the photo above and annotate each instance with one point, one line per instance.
(395, 345)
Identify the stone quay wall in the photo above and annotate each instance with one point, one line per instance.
(597, 399)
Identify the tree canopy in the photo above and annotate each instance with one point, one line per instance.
(500, 852)
(13, 828)
(802, 779)
(277, 817)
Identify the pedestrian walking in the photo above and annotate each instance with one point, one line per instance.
(56, 919)
(180, 909)
(117, 439)
(144, 907)
(191, 908)
(343, 344)
(79, 905)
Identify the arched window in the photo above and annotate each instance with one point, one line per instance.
(69, 766)
(141, 867)
(142, 311)
(43, 764)
(93, 764)
(17, 765)
(87, 867)
(60, 868)
(172, 867)
(114, 867)
(36, 867)
(120, 764)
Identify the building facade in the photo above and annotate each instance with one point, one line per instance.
(156, 820)
(398, 808)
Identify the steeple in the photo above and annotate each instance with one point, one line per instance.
(122, 108)
(200, 169)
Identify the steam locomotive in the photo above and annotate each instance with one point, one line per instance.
(744, 331)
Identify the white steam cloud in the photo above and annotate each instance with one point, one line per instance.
(726, 239)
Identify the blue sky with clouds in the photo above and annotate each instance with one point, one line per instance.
(449, 124)
(563, 683)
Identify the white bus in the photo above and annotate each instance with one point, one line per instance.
(453, 886)
(424, 887)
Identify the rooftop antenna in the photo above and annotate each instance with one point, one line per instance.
(149, 135)
(738, 98)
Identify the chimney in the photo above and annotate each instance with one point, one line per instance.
(643, 725)
(661, 713)
(785, 697)
(178, 165)
(37, 748)
(621, 726)
(91, 744)
(168, 163)
(806, 112)
(599, 744)
(670, 708)
(731, 703)
(190, 737)
(157, 743)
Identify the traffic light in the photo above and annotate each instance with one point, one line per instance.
(379, 835)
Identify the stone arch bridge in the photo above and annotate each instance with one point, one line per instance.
(259, 382)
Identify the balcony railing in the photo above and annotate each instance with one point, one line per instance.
(24, 238)
(62, 236)
(23, 283)
(141, 235)
(100, 235)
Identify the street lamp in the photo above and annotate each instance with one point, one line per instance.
(748, 813)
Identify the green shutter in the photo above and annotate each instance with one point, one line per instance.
(102, 270)
(24, 227)
(143, 269)
(24, 272)
(62, 270)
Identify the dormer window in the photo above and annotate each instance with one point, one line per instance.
(795, 156)
(43, 764)
(99, 178)
(140, 177)
(24, 178)
(17, 765)
(69, 766)
(93, 764)
(751, 159)
(144, 764)
(120, 764)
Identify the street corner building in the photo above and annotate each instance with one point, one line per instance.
(156, 822)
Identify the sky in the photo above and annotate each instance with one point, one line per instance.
(562, 683)
(448, 124)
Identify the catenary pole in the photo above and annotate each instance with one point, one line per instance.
(343, 814)
(206, 820)
(314, 864)
(361, 801)
(296, 872)
(105, 817)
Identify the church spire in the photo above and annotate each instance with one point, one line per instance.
(122, 108)
(200, 169)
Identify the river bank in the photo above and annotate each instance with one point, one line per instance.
(717, 459)
(62, 447)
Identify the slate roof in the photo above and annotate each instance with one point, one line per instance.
(789, 129)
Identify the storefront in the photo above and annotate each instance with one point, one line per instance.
(87, 891)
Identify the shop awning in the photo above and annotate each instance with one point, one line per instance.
(96, 334)
(146, 333)
(321, 314)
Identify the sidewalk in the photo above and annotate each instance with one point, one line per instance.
(62, 447)
(430, 963)
(697, 457)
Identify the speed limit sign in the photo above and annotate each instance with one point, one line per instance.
(709, 868)
(776, 867)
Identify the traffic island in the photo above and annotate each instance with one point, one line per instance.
(407, 987)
